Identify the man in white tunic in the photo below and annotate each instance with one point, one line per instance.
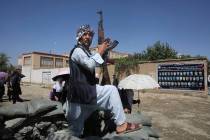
(84, 90)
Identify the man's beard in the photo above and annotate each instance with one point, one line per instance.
(87, 43)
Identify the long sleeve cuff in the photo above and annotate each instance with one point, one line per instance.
(97, 57)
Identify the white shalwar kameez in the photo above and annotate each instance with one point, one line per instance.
(107, 96)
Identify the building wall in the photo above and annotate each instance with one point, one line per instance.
(27, 71)
(35, 61)
(150, 68)
(40, 76)
(20, 63)
(36, 74)
(113, 54)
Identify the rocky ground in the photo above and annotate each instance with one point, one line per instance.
(176, 117)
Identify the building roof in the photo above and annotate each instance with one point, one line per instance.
(169, 60)
(43, 53)
(120, 53)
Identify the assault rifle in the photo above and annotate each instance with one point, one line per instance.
(101, 38)
(112, 45)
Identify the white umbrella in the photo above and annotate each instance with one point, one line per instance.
(138, 82)
(62, 73)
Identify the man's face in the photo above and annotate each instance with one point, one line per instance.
(19, 71)
(86, 39)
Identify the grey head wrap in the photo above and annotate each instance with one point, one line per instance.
(83, 29)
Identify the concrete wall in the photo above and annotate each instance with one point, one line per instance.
(35, 61)
(150, 68)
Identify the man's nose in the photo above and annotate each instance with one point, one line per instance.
(88, 36)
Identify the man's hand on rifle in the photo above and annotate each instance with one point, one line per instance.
(103, 47)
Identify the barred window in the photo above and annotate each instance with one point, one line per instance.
(27, 60)
(46, 61)
(58, 62)
(67, 62)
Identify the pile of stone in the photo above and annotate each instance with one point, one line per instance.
(35, 120)
(43, 119)
(146, 133)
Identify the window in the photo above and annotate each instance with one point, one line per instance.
(67, 62)
(27, 60)
(58, 62)
(46, 61)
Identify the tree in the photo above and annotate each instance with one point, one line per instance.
(158, 51)
(4, 62)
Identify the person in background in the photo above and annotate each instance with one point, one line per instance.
(9, 86)
(127, 100)
(84, 88)
(126, 96)
(15, 83)
(55, 94)
(115, 81)
(2, 88)
(65, 90)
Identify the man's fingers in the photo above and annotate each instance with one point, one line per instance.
(107, 40)
(106, 44)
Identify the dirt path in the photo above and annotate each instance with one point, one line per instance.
(30, 92)
(176, 117)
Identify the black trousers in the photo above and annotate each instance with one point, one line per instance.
(16, 91)
(126, 98)
(2, 91)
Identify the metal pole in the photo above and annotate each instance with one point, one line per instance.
(139, 110)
